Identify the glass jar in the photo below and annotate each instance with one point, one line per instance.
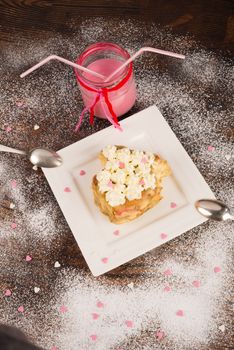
(114, 97)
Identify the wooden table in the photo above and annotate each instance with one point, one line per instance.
(211, 24)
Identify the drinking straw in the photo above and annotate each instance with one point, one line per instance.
(55, 57)
(144, 49)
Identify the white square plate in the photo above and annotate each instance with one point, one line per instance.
(103, 248)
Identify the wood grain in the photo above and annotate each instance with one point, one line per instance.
(211, 24)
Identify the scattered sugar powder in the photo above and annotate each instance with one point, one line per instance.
(42, 221)
(146, 308)
(31, 219)
(195, 96)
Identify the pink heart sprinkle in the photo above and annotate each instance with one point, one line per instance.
(67, 189)
(21, 309)
(121, 165)
(167, 272)
(163, 235)
(82, 172)
(180, 313)
(13, 225)
(8, 129)
(63, 309)
(196, 283)
(95, 316)
(19, 103)
(217, 269)
(129, 323)
(210, 148)
(13, 184)
(142, 182)
(7, 293)
(105, 260)
(173, 205)
(28, 258)
(110, 184)
(143, 160)
(116, 232)
(167, 289)
(54, 348)
(100, 304)
(159, 334)
(93, 337)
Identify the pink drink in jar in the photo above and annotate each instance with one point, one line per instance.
(120, 91)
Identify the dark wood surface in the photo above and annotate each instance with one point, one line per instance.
(210, 22)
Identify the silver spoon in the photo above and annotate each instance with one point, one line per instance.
(41, 157)
(213, 209)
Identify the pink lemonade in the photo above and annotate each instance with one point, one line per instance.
(122, 99)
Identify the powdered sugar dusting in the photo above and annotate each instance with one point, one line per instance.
(33, 219)
(122, 318)
(42, 221)
(195, 96)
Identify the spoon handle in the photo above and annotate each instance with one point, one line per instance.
(11, 150)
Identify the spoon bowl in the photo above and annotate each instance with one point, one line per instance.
(45, 158)
(213, 209)
(41, 157)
